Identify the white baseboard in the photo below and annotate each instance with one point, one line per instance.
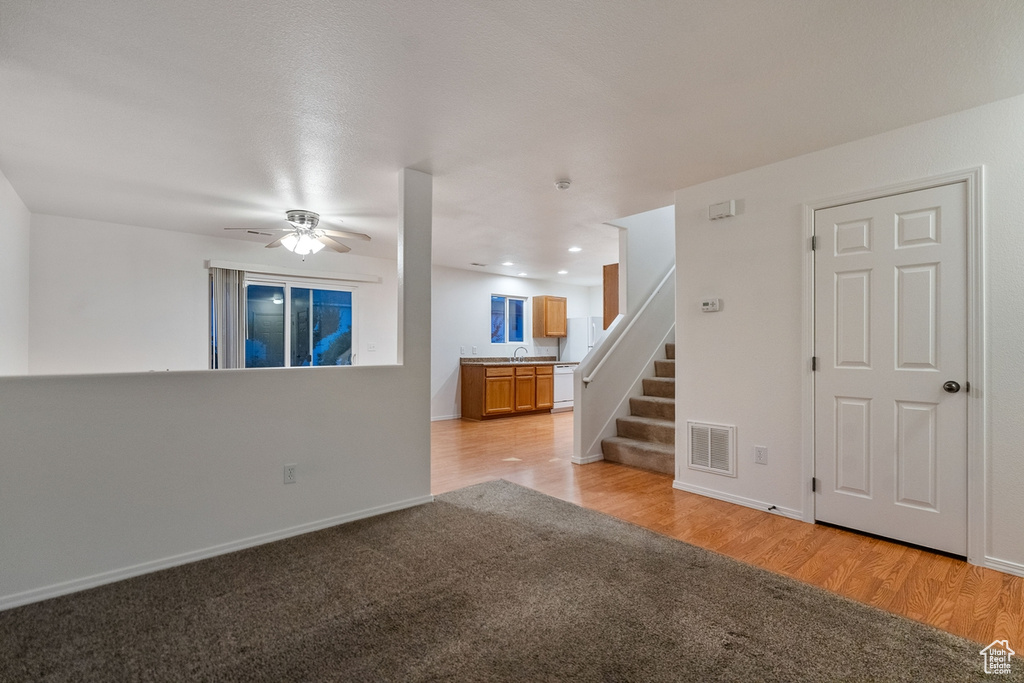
(739, 500)
(75, 585)
(588, 459)
(439, 418)
(1004, 566)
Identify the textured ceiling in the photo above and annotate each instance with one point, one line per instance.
(195, 115)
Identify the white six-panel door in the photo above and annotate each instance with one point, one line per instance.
(890, 333)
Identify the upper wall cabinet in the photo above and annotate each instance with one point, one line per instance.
(549, 316)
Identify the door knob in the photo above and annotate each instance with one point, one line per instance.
(951, 386)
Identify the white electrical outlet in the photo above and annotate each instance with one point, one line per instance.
(474, 350)
(371, 346)
(289, 474)
(462, 350)
(761, 455)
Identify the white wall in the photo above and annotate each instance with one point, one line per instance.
(462, 315)
(107, 476)
(646, 252)
(14, 281)
(746, 365)
(646, 255)
(119, 298)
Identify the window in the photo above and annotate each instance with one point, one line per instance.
(321, 327)
(508, 318)
(279, 323)
(291, 324)
(264, 326)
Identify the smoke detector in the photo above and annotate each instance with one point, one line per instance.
(562, 184)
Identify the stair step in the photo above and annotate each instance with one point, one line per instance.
(653, 406)
(649, 456)
(660, 386)
(664, 368)
(648, 429)
(670, 351)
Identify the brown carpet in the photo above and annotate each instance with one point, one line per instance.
(494, 582)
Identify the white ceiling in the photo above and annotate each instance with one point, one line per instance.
(195, 115)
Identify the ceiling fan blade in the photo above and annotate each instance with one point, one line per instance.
(275, 243)
(254, 230)
(331, 243)
(346, 235)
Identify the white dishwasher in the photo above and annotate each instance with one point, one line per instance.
(563, 387)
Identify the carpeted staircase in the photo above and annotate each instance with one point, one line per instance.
(647, 438)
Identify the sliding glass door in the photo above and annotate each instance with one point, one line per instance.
(321, 327)
(264, 326)
(292, 324)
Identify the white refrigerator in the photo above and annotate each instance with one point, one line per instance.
(581, 336)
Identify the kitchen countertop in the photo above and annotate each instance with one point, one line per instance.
(493, 362)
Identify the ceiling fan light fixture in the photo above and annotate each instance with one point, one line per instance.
(303, 237)
(302, 242)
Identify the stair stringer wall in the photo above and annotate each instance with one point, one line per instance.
(605, 399)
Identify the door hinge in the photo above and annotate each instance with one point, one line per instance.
(814, 363)
(814, 484)
(814, 243)
(967, 387)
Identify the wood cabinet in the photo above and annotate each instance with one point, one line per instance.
(611, 293)
(494, 391)
(549, 316)
(545, 388)
(499, 391)
(526, 388)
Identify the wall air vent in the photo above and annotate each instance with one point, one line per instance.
(712, 448)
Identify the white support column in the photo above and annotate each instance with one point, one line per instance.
(414, 236)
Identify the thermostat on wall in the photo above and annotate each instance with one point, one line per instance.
(710, 305)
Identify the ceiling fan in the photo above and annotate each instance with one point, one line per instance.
(304, 237)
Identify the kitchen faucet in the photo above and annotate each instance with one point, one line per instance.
(515, 357)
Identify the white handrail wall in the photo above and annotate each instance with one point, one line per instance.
(614, 370)
(603, 356)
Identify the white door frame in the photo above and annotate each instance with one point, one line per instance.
(977, 453)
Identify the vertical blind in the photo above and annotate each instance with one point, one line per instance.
(228, 318)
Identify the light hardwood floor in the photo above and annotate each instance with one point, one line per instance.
(535, 451)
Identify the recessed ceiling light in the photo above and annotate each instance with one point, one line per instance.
(575, 249)
(522, 274)
(508, 263)
(563, 272)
